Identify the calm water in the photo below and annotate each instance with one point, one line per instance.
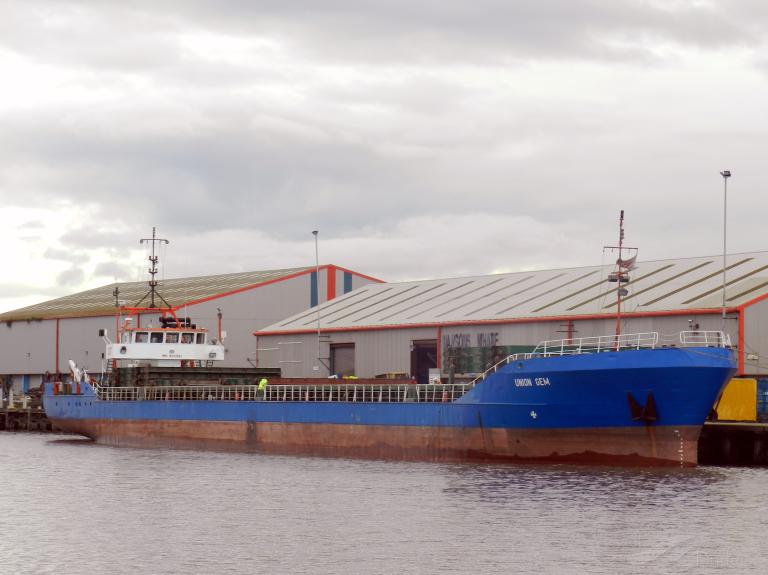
(70, 506)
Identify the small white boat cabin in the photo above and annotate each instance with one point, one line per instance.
(175, 343)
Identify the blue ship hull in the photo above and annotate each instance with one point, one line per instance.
(630, 407)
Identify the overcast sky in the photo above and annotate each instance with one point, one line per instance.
(422, 138)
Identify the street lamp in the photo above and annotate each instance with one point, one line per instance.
(726, 174)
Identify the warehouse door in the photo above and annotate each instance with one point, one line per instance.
(423, 358)
(343, 359)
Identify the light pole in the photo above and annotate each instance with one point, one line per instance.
(317, 299)
(726, 174)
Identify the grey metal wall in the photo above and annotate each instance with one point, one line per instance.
(27, 346)
(79, 341)
(30, 347)
(376, 352)
(245, 312)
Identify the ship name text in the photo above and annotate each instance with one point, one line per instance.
(531, 382)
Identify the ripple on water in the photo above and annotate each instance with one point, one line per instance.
(70, 506)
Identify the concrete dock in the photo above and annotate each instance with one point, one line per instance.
(24, 414)
(734, 443)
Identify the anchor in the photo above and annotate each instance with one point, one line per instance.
(646, 413)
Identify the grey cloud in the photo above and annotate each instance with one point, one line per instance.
(287, 182)
(91, 237)
(14, 290)
(84, 34)
(114, 270)
(142, 35)
(72, 277)
(401, 29)
(227, 177)
(374, 114)
(74, 257)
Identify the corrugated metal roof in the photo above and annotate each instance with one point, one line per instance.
(177, 292)
(655, 286)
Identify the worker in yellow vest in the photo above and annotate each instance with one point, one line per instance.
(262, 386)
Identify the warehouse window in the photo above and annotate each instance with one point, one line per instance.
(343, 359)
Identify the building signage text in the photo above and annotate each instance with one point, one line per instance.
(458, 340)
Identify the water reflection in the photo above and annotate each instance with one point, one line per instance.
(71, 506)
(602, 485)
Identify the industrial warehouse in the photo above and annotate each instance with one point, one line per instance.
(456, 328)
(444, 335)
(44, 337)
(444, 328)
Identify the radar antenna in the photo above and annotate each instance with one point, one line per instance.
(623, 266)
(153, 271)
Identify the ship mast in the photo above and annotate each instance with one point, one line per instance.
(153, 271)
(621, 275)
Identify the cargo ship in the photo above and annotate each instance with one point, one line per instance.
(622, 399)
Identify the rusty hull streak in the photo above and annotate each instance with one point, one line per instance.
(635, 446)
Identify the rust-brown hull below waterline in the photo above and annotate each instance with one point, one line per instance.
(631, 446)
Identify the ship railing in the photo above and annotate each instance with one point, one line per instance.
(704, 339)
(354, 393)
(495, 367)
(628, 341)
(365, 393)
(577, 346)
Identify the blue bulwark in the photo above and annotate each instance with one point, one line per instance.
(347, 282)
(313, 290)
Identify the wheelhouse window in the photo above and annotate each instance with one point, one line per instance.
(156, 337)
(171, 338)
(200, 338)
(187, 337)
(141, 337)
